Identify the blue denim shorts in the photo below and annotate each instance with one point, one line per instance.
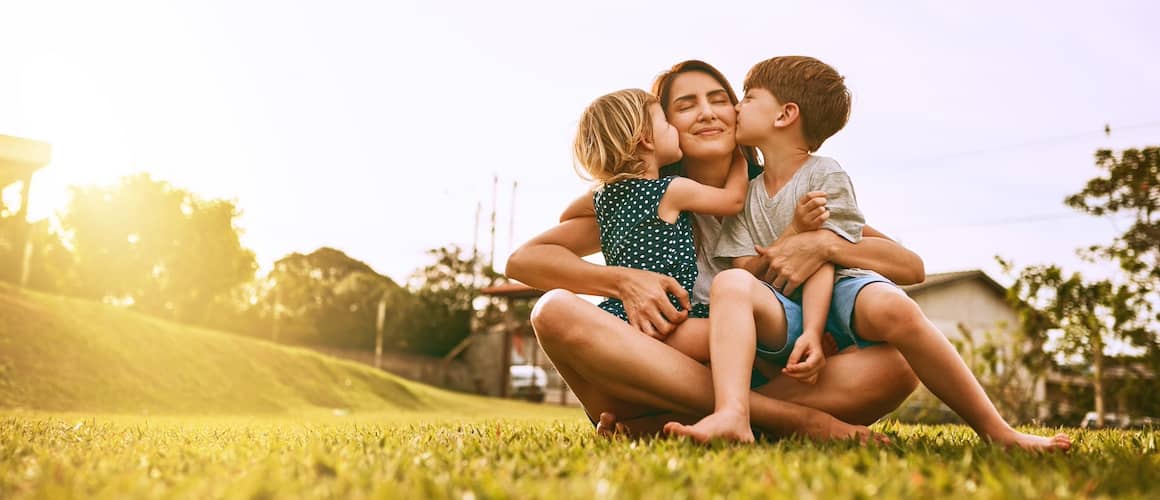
(839, 321)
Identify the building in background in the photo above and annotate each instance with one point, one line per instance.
(19, 160)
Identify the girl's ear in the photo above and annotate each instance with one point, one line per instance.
(647, 143)
(789, 114)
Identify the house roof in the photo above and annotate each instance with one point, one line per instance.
(20, 157)
(938, 280)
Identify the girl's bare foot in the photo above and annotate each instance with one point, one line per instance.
(727, 425)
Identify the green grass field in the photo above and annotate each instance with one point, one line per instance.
(96, 402)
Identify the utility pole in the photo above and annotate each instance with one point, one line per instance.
(494, 201)
(379, 320)
(512, 221)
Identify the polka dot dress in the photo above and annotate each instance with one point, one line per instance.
(633, 235)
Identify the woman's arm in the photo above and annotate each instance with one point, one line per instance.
(552, 260)
(792, 259)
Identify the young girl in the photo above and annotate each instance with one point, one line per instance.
(622, 142)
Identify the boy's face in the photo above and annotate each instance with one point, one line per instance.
(666, 142)
(756, 116)
(700, 108)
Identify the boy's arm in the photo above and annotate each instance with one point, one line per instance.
(807, 359)
(792, 259)
(816, 300)
(686, 194)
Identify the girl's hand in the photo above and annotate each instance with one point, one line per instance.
(810, 212)
(806, 360)
(646, 302)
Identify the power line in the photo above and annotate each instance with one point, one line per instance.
(1001, 222)
(1106, 130)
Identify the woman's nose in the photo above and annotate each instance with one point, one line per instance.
(706, 112)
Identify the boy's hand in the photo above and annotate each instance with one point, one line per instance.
(810, 212)
(806, 360)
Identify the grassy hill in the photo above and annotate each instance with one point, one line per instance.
(66, 355)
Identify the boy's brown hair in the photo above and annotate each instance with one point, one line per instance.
(816, 87)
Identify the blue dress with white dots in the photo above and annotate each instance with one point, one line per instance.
(632, 234)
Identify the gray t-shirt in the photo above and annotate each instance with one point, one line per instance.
(765, 216)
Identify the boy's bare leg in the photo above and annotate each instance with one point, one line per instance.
(614, 368)
(883, 313)
(745, 307)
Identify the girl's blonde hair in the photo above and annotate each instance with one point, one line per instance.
(609, 133)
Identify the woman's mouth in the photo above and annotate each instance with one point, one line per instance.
(709, 132)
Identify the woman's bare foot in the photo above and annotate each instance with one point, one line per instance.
(608, 426)
(1033, 443)
(835, 430)
(726, 425)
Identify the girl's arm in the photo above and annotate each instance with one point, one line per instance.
(689, 195)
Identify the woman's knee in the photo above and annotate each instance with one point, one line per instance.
(554, 317)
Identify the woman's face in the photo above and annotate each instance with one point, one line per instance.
(700, 109)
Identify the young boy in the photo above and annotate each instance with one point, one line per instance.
(791, 106)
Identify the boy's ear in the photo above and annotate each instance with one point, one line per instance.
(789, 114)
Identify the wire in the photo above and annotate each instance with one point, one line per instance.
(1106, 130)
(1002, 222)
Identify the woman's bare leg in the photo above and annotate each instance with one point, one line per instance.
(612, 367)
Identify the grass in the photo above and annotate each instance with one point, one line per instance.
(532, 455)
(96, 402)
(60, 354)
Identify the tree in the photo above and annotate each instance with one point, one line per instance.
(1089, 315)
(327, 297)
(446, 291)
(51, 265)
(156, 247)
(1131, 187)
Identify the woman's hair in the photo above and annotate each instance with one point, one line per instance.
(663, 88)
(609, 133)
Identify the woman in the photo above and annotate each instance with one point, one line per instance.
(618, 371)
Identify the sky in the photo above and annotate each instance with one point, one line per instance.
(378, 127)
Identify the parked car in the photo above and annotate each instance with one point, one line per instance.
(1118, 421)
(528, 382)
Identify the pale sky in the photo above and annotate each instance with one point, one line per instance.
(376, 127)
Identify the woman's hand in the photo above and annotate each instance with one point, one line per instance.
(793, 259)
(646, 301)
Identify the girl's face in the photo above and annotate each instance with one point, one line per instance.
(700, 109)
(665, 139)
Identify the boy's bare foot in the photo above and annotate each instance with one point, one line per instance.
(1033, 443)
(725, 425)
